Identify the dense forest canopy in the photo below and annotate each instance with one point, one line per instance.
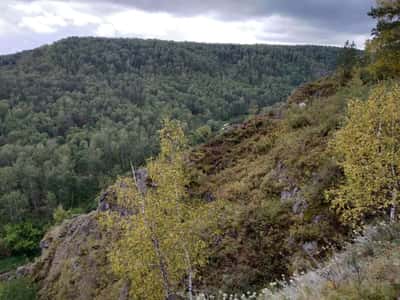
(75, 113)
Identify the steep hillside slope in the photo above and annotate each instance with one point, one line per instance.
(272, 170)
(75, 113)
(73, 264)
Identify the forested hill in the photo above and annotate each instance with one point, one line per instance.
(75, 113)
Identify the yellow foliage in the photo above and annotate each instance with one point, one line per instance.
(160, 244)
(368, 149)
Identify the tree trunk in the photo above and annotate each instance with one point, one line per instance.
(393, 209)
(154, 239)
(393, 213)
(124, 293)
(190, 274)
(394, 175)
(163, 269)
(188, 261)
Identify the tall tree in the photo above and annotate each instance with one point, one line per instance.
(384, 48)
(368, 148)
(159, 245)
(347, 60)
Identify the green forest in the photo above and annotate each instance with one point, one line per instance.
(154, 170)
(76, 113)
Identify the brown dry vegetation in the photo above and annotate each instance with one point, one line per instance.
(273, 170)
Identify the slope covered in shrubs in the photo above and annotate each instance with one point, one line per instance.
(273, 170)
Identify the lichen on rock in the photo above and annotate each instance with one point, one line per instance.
(74, 263)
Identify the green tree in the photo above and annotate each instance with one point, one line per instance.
(23, 238)
(4, 107)
(368, 149)
(347, 60)
(159, 244)
(202, 134)
(60, 214)
(384, 48)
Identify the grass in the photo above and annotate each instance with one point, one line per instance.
(11, 263)
(369, 268)
(18, 289)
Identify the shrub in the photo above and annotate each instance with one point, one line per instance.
(202, 134)
(298, 119)
(60, 214)
(23, 238)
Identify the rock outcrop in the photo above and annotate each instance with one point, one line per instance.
(73, 264)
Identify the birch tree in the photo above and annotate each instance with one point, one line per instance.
(368, 150)
(159, 248)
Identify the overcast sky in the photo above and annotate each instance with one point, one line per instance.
(26, 24)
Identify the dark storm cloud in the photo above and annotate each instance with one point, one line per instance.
(349, 15)
(342, 15)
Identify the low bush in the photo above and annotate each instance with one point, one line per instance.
(60, 214)
(23, 238)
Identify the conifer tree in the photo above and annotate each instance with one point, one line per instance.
(347, 61)
(384, 48)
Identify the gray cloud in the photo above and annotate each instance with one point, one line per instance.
(348, 15)
(335, 12)
(25, 40)
(298, 21)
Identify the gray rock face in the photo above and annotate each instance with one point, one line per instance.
(311, 247)
(74, 263)
(290, 195)
(294, 196)
(302, 105)
(141, 180)
(104, 205)
(44, 244)
(279, 175)
(7, 276)
(22, 271)
(107, 200)
(299, 206)
(318, 219)
(124, 294)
